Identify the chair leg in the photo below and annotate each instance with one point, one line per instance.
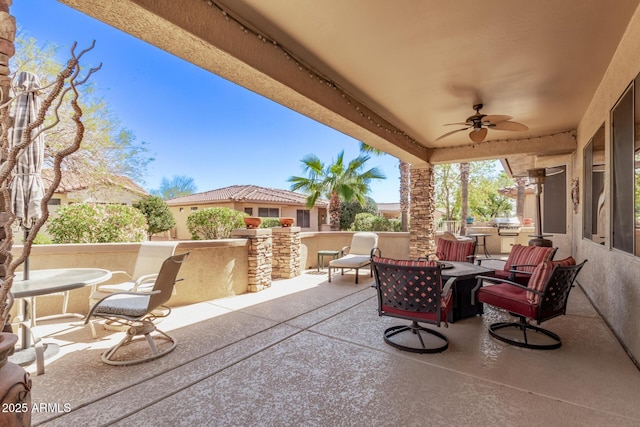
(417, 330)
(357, 269)
(525, 341)
(329, 269)
(137, 332)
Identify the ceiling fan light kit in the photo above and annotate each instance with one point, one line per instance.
(480, 123)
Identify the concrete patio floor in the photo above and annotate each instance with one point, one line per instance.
(307, 352)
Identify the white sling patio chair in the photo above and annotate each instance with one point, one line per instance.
(356, 255)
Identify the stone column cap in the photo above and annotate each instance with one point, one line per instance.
(251, 232)
(283, 230)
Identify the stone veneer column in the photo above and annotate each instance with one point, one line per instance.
(422, 235)
(286, 252)
(260, 256)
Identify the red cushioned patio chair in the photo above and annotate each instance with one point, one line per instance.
(544, 298)
(413, 290)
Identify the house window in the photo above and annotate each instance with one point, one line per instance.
(624, 173)
(181, 209)
(268, 212)
(554, 199)
(593, 185)
(303, 218)
(194, 208)
(54, 202)
(248, 211)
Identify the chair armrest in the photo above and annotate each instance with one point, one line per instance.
(344, 250)
(447, 286)
(495, 280)
(479, 260)
(143, 280)
(517, 266)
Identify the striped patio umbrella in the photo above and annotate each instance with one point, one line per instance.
(27, 189)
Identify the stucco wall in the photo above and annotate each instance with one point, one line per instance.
(610, 278)
(392, 245)
(214, 269)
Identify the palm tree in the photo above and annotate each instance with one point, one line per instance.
(404, 183)
(337, 181)
(464, 195)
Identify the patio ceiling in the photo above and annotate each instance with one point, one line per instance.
(393, 73)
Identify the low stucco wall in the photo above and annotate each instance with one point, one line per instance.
(392, 245)
(214, 269)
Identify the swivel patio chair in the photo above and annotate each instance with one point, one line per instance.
(150, 257)
(521, 262)
(135, 311)
(544, 298)
(356, 255)
(412, 290)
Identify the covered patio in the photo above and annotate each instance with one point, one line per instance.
(306, 352)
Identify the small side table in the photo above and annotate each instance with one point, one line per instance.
(322, 254)
(483, 244)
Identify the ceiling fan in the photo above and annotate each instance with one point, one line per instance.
(480, 123)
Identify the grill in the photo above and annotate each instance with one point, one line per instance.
(507, 226)
(509, 230)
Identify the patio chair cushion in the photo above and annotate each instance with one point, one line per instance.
(450, 250)
(124, 305)
(362, 243)
(541, 275)
(350, 261)
(528, 255)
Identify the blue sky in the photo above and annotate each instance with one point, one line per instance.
(195, 123)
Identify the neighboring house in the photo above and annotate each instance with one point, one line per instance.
(253, 200)
(389, 210)
(79, 188)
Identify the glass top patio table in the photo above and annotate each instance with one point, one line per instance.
(44, 282)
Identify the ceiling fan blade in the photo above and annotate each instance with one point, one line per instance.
(450, 133)
(478, 135)
(508, 125)
(495, 118)
(459, 124)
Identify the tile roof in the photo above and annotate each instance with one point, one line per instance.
(245, 193)
(72, 181)
(388, 207)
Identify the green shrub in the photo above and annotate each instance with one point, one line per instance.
(349, 210)
(88, 223)
(42, 239)
(158, 215)
(367, 222)
(396, 225)
(214, 223)
(270, 223)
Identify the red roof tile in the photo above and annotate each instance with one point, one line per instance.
(245, 193)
